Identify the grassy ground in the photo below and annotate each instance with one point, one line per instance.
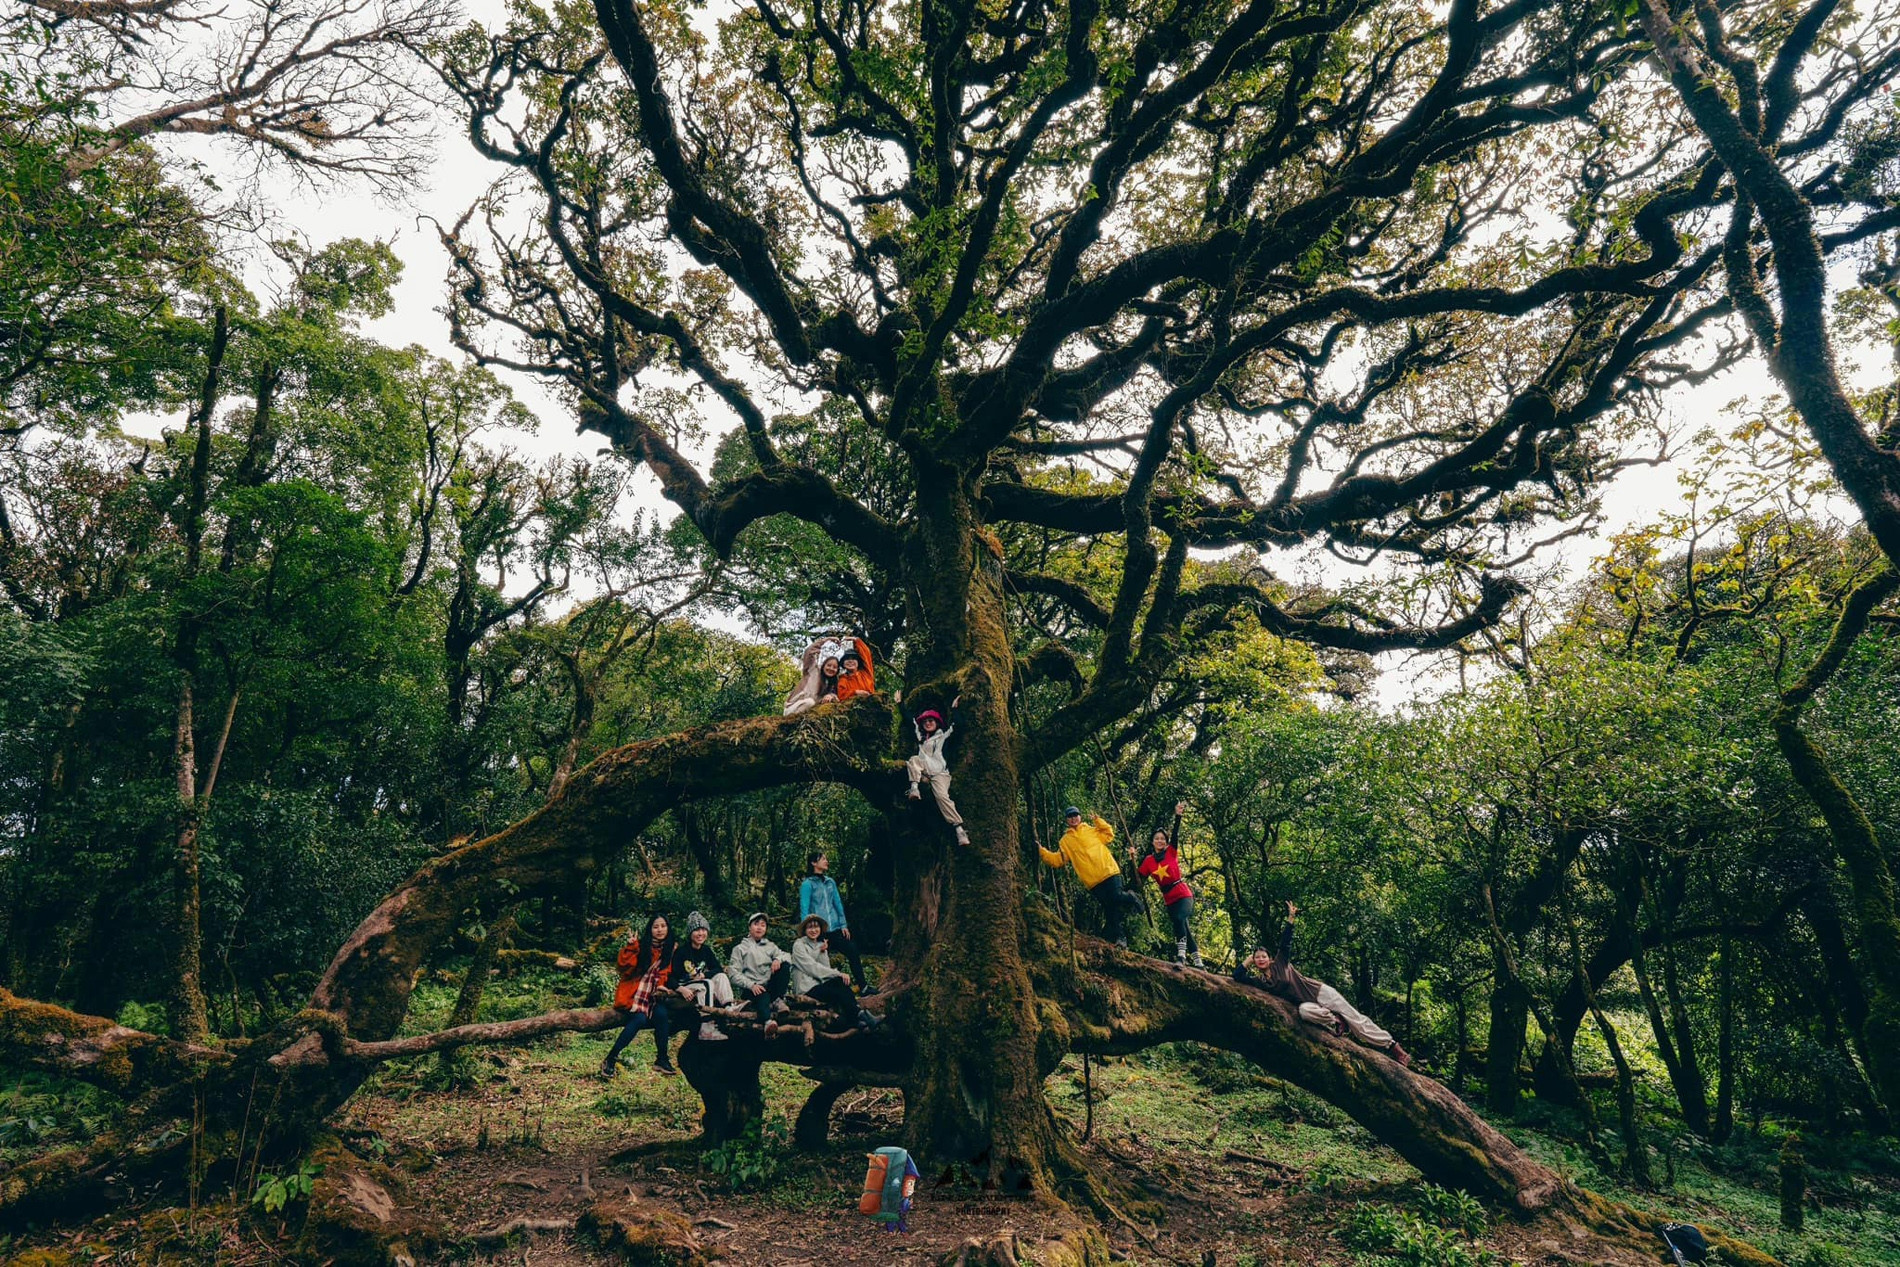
(1226, 1161)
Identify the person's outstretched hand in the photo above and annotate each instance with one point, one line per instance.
(1292, 911)
(1180, 808)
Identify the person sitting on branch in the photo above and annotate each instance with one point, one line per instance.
(1163, 863)
(698, 976)
(644, 966)
(818, 672)
(930, 763)
(1084, 846)
(1320, 1004)
(818, 895)
(854, 669)
(760, 976)
(814, 977)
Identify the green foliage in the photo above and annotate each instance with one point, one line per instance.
(753, 1160)
(273, 1192)
(1452, 1209)
(1396, 1236)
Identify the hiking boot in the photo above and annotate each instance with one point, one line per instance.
(1339, 1028)
(1199, 962)
(1399, 1054)
(708, 1034)
(866, 991)
(1180, 954)
(963, 837)
(1121, 943)
(771, 1029)
(914, 794)
(665, 1070)
(606, 1071)
(780, 1007)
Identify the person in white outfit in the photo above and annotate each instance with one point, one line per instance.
(930, 763)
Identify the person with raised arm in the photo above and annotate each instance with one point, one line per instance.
(1320, 1004)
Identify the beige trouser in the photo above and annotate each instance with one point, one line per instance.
(1332, 1007)
(714, 991)
(939, 787)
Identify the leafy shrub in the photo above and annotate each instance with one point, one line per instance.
(618, 1104)
(754, 1159)
(1448, 1208)
(1825, 1254)
(598, 983)
(149, 1017)
(1399, 1237)
(1372, 1228)
(274, 1192)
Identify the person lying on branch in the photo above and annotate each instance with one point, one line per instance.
(814, 977)
(1084, 846)
(644, 963)
(1162, 863)
(1319, 1003)
(854, 669)
(818, 676)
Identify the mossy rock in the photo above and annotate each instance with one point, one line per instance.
(46, 1258)
(643, 1236)
(355, 1218)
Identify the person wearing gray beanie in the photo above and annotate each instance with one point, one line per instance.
(698, 975)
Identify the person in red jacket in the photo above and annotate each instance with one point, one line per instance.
(1162, 863)
(644, 965)
(854, 670)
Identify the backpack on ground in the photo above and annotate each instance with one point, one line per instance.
(1686, 1242)
(889, 1182)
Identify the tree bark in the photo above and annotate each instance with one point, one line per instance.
(1854, 837)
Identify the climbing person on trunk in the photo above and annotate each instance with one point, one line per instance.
(1162, 862)
(814, 977)
(929, 763)
(698, 975)
(854, 669)
(818, 895)
(760, 975)
(1320, 1004)
(1084, 846)
(644, 965)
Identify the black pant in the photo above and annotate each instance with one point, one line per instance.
(1180, 912)
(1115, 901)
(775, 987)
(834, 994)
(637, 1021)
(842, 942)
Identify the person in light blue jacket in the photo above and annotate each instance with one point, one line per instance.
(818, 895)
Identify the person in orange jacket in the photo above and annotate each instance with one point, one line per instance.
(644, 964)
(1084, 846)
(854, 670)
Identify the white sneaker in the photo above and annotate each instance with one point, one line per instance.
(780, 1007)
(963, 837)
(914, 794)
(707, 1034)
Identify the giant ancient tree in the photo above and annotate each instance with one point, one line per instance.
(1123, 308)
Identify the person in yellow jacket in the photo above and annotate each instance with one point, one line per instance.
(1084, 846)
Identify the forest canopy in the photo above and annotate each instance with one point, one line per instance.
(1215, 403)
